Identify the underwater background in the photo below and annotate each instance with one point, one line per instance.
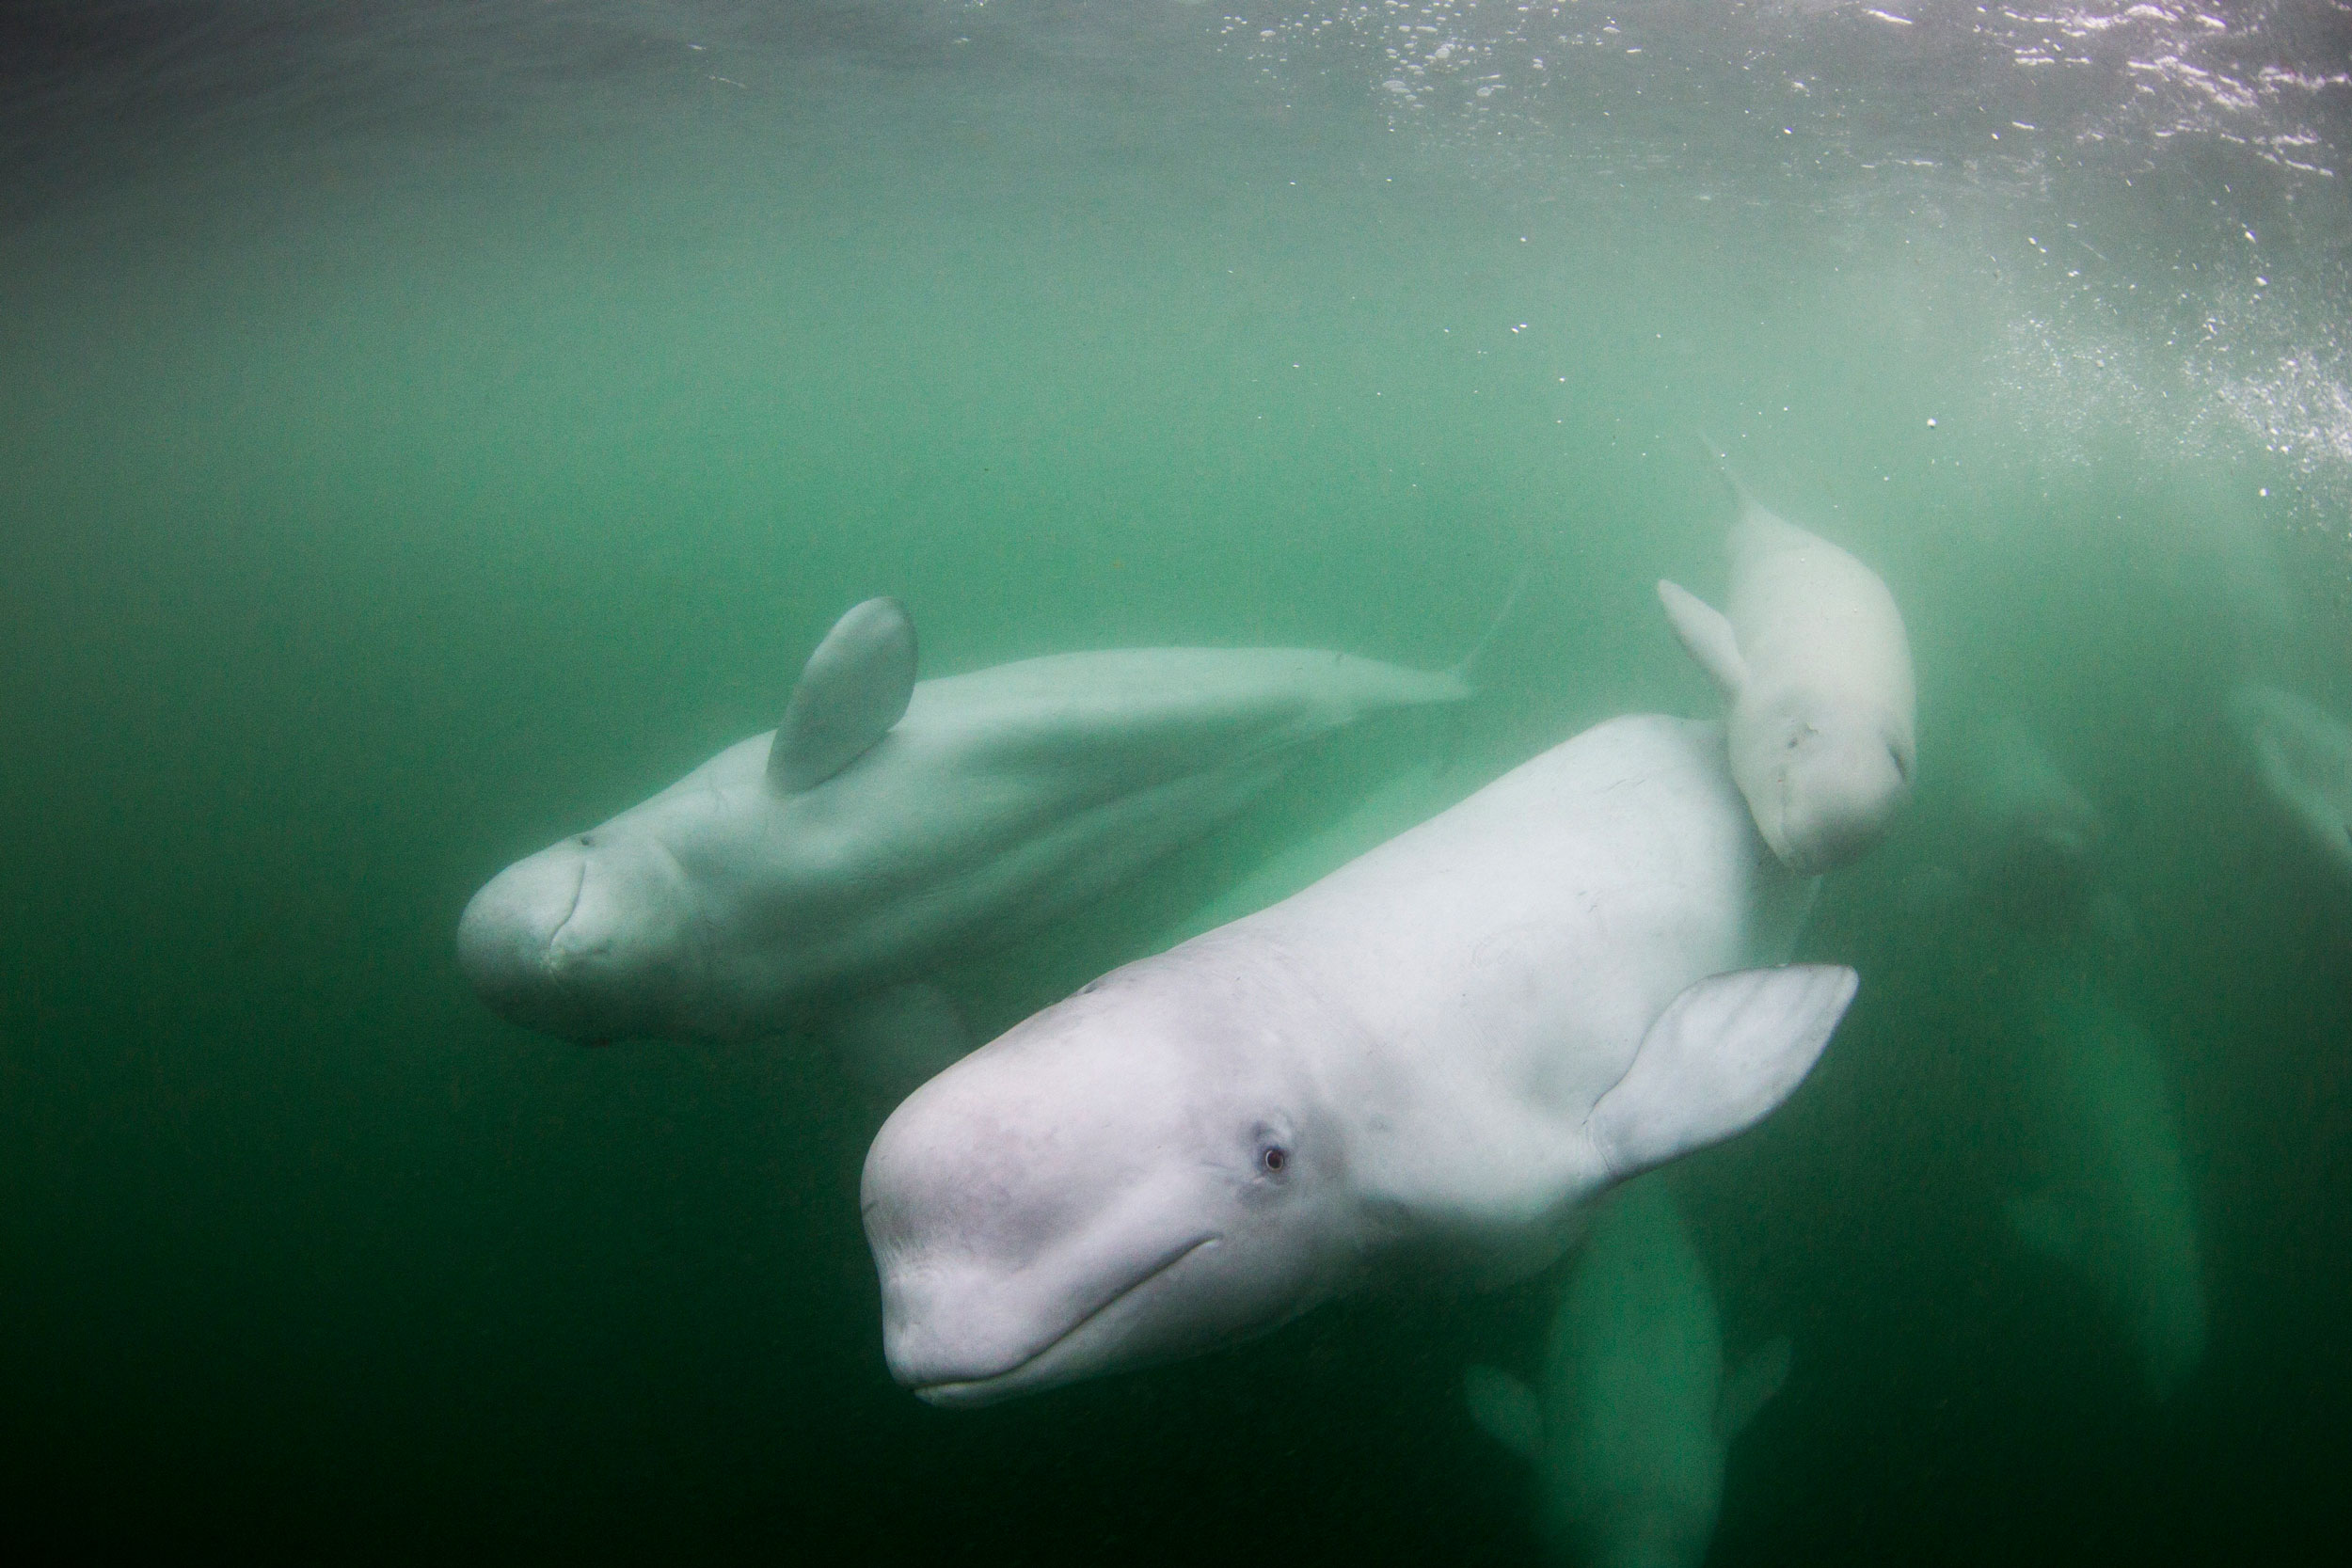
(428, 429)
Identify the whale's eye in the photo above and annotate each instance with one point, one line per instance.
(587, 841)
(1273, 1158)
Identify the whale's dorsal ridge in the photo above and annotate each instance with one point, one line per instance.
(853, 688)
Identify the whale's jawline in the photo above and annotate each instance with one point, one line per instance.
(968, 1392)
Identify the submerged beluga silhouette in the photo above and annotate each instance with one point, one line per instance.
(817, 873)
(2120, 1206)
(1628, 1425)
(2302, 756)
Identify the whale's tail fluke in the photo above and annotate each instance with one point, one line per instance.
(1466, 668)
(1721, 460)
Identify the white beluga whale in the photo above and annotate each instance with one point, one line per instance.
(1814, 666)
(1628, 1425)
(2304, 757)
(1434, 1056)
(815, 872)
(2119, 1210)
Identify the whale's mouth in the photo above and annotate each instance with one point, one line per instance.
(579, 886)
(1042, 1368)
(508, 939)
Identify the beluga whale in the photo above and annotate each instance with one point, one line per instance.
(2304, 757)
(1432, 1058)
(2119, 1209)
(815, 874)
(1814, 666)
(1629, 1426)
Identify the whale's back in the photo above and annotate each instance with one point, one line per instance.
(1532, 932)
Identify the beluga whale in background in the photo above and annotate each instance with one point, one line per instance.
(1628, 1425)
(888, 825)
(2033, 840)
(2119, 1210)
(2304, 757)
(1434, 1056)
(1815, 670)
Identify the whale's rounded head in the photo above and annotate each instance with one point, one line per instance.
(2039, 870)
(1127, 1178)
(1823, 780)
(585, 939)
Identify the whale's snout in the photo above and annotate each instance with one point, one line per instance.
(995, 1283)
(592, 939)
(987, 1356)
(1114, 1184)
(506, 940)
(973, 1217)
(1837, 801)
(1824, 839)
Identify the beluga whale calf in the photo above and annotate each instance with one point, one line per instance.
(817, 872)
(1814, 666)
(1629, 1426)
(1433, 1057)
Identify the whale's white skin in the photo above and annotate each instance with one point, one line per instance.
(1815, 669)
(894, 826)
(1628, 1425)
(1433, 1057)
(2121, 1211)
(2304, 757)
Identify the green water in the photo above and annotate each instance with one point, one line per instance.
(419, 441)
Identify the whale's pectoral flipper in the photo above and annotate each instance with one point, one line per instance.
(1751, 1388)
(1706, 635)
(1721, 1057)
(857, 685)
(1504, 1409)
